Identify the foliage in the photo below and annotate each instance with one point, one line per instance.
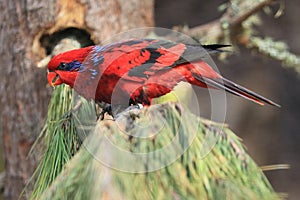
(277, 50)
(223, 172)
(59, 140)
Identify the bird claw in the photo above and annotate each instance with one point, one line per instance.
(106, 109)
(132, 110)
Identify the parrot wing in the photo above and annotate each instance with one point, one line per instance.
(137, 60)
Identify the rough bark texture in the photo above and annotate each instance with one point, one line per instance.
(24, 94)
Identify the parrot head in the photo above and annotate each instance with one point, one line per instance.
(64, 67)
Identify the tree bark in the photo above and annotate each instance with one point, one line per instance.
(23, 86)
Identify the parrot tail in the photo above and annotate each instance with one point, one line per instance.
(233, 88)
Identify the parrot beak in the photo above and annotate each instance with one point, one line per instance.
(54, 79)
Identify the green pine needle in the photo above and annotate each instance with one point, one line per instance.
(224, 172)
(58, 139)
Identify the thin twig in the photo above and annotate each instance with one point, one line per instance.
(216, 24)
(238, 20)
(235, 22)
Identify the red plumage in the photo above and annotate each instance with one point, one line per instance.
(135, 71)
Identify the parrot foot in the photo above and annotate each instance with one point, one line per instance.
(119, 110)
(106, 109)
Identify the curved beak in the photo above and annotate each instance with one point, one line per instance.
(53, 79)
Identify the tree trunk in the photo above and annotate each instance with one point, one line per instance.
(27, 28)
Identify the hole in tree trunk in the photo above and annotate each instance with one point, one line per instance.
(49, 41)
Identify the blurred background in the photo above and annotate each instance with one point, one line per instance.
(271, 135)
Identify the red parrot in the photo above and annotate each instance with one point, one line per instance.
(138, 70)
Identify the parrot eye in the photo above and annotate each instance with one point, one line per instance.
(63, 66)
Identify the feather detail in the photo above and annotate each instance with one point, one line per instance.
(141, 69)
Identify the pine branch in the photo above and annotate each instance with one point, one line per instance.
(214, 166)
